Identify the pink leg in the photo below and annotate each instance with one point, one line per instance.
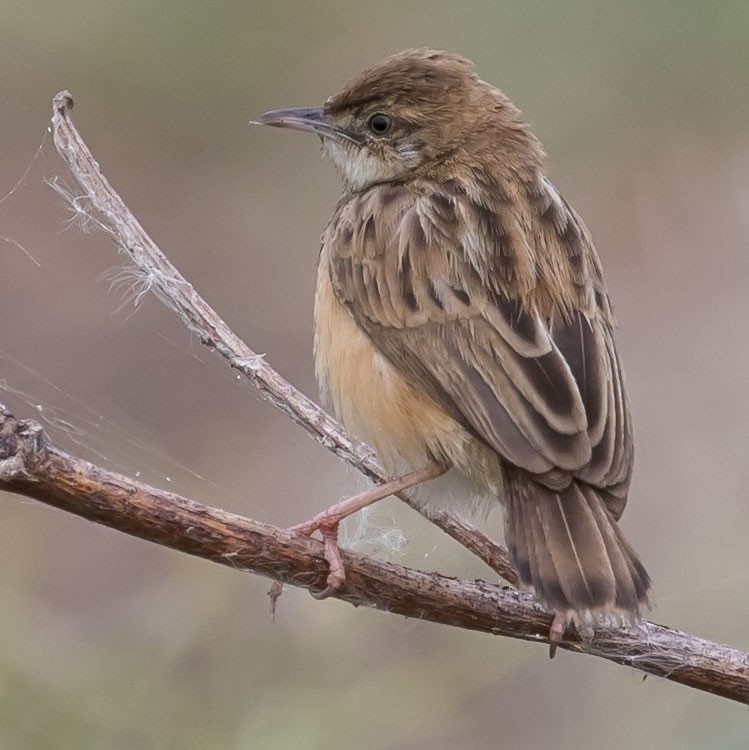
(327, 521)
(556, 632)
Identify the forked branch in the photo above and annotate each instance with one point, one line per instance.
(31, 467)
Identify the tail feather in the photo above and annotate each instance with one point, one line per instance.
(546, 581)
(568, 548)
(518, 545)
(574, 541)
(628, 570)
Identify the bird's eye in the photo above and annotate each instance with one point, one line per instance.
(379, 123)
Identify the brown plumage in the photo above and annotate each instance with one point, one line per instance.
(462, 319)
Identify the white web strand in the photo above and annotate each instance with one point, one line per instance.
(84, 428)
(17, 244)
(21, 182)
(34, 159)
(369, 532)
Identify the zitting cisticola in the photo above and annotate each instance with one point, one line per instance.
(462, 321)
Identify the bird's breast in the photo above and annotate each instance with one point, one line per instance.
(375, 402)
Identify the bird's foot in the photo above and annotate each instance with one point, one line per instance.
(556, 632)
(327, 522)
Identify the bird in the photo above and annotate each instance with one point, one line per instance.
(462, 323)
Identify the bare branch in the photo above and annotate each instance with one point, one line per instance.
(177, 293)
(31, 467)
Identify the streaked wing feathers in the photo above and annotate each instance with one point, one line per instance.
(543, 389)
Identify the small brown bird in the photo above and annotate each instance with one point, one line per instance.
(462, 322)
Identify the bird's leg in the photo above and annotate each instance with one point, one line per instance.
(327, 521)
(556, 632)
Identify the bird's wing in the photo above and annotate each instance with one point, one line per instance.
(545, 392)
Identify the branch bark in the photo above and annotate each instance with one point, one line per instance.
(31, 467)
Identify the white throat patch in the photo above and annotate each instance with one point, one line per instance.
(357, 165)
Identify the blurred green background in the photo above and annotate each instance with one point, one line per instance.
(108, 642)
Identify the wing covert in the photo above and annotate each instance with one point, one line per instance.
(544, 391)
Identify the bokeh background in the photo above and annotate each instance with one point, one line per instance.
(109, 642)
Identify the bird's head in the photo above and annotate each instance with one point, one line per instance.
(416, 113)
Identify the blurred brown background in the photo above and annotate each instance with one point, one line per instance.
(108, 642)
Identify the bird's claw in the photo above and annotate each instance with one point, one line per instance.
(556, 632)
(331, 552)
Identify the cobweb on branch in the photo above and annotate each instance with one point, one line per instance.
(70, 421)
(82, 215)
(73, 425)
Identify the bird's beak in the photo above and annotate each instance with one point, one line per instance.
(309, 119)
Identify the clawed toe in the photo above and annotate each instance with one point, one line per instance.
(556, 632)
(331, 552)
(327, 522)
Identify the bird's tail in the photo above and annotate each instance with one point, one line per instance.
(568, 548)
